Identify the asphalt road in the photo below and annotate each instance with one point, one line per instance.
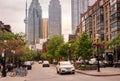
(38, 73)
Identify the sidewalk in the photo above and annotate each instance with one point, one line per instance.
(16, 78)
(8, 78)
(108, 71)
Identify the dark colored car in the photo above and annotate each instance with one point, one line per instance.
(10, 67)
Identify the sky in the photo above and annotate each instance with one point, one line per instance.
(12, 12)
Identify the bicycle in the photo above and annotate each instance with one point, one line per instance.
(12, 73)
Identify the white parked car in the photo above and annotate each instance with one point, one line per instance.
(40, 61)
(46, 64)
(94, 61)
(65, 67)
(28, 65)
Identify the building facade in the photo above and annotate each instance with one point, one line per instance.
(34, 23)
(114, 17)
(54, 21)
(102, 18)
(45, 28)
(77, 8)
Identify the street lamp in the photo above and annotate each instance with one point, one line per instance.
(13, 51)
(97, 44)
(3, 61)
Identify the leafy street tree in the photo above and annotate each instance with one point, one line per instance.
(38, 56)
(30, 55)
(13, 44)
(46, 56)
(62, 51)
(115, 45)
(66, 51)
(53, 45)
(84, 46)
(71, 49)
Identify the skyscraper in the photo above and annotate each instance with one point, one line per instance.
(34, 23)
(78, 7)
(45, 27)
(54, 22)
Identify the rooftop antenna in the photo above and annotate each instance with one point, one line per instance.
(26, 19)
(26, 8)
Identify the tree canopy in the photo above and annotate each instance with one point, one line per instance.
(115, 43)
(84, 46)
(13, 44)
(53, 45)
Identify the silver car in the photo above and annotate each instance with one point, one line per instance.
(65, 67)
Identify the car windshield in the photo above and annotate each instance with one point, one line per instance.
(45, 62)
(65, 63)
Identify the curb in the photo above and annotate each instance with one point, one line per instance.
(97, 74)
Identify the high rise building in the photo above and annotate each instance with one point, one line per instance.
(45, 27)
(54, 22)
(78, 7)
(103, 19)
(34, 22)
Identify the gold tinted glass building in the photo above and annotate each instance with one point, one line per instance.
(45, 27)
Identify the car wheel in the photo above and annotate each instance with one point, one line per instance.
(57, 72)
(60, 72)
(73, 72)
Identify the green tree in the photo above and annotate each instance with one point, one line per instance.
(115, 46)
(12, 42)
(30, 55)
(7, 36)
(71, 48)
(115, 43)
(62, 51)
(84, 46)
(38, 56)
(53, 45)
(46, 56)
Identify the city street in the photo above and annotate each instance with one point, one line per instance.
(81, 36)
(49, 74)
(38, 73)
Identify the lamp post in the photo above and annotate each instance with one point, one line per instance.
(13, 51)
(97, 44)
(98, 64)
(3, 62)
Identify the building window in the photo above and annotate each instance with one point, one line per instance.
(113, 25)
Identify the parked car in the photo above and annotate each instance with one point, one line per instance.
(46, 64)
(94, 61)
(10, 67)
(40, 61)
(28, 65)
(65, 67)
